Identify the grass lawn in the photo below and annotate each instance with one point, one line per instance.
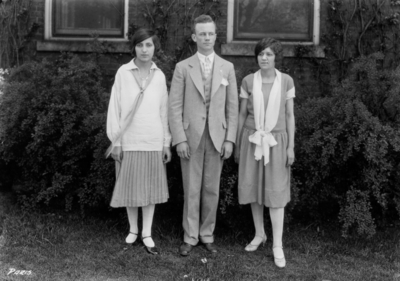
(63, 246)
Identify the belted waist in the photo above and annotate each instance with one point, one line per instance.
(272, 132)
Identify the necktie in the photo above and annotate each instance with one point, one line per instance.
(207, 67)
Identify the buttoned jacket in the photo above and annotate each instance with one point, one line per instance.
(187, 112)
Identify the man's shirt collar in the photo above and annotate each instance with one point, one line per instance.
(202, 57)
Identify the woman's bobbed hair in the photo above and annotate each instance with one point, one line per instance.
(273, 44)
(142, 34)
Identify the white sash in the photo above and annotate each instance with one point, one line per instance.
(265, 121)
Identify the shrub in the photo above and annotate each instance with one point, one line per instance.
(52, 114)
(348, 148)
(53, 117)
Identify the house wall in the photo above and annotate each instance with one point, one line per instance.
(303, 70)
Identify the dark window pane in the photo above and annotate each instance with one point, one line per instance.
(80, 18)
(287, 20)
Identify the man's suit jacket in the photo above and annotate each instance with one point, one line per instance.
(187, 103)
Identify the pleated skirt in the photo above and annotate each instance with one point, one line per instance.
(269, 184)
(140, 180)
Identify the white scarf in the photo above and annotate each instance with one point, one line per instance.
(265, 121)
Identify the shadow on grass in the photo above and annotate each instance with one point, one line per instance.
(61, 246)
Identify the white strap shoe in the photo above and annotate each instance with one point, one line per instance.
(131, 238)
(253, 247)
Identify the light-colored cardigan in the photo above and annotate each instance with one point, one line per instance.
(149, 128)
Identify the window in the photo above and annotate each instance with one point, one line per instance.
(286, 20)
(292, 22)
(78, 19)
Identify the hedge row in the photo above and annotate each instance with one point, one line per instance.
(53, 116)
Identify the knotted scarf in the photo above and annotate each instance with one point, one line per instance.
(266, 120)
(136, 105)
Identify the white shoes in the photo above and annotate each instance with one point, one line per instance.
(253, 247)
(279, 257)
(131, 238)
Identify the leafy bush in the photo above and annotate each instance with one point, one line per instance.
(52, 116)
(348, 149)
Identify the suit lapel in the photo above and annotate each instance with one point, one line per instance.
(195, 74)
(217, 74)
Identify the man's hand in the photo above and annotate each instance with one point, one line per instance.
(117, 153)
(183, 150)
(166, 154)
(226, 150)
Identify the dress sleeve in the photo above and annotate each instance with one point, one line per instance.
(164, 117)
(114, 110)
(290, 93)
(244, 92)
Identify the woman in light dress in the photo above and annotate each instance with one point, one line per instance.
(265, 144)
(137, 126)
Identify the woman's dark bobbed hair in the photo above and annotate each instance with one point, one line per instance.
(142, 34)
(271, 43)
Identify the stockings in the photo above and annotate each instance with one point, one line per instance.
(148, 213)
(276, 215)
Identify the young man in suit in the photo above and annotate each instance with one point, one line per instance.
(203, 117)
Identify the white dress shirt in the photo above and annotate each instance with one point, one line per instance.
(202, 59)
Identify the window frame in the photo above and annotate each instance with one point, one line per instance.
(48, 27)
(315, 23)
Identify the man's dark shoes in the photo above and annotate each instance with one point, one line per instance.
(185, 249)
(211, 247)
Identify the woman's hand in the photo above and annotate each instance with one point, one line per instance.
(117, 153)
(166, 154)
(290, 156)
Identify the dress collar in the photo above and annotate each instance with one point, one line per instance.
(132, 65)
(278, 75)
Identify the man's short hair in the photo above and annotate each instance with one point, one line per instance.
(202, 19)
